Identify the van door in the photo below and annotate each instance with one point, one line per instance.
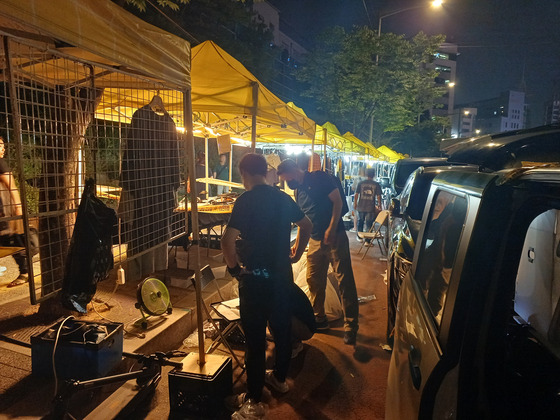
(418, 347)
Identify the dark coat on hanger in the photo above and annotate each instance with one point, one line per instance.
(150, 177)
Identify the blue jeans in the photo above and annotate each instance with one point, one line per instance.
(365, 218)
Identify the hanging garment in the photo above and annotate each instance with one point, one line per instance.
(149, 179)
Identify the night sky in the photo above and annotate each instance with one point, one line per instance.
(502, 43)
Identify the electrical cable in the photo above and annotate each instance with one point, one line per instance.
(53, 353)
(137, 335)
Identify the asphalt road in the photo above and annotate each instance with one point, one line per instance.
(328, 380)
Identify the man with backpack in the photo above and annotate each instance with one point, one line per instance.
(367, 202)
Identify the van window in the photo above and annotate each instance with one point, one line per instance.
(532, 356)
(537, 287)
(439, 247)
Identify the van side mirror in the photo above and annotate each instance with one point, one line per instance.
(395, 207)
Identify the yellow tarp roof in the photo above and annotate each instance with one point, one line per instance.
(130, 59)
(391, 154)
(101, 32)
(223, 100)
(369, 149)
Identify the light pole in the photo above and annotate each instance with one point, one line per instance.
(433, 3)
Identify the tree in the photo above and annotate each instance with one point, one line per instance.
(420, 140)
(141, 4)
(231, 24)
(356, 77)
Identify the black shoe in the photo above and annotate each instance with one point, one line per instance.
(321, 325)
(350, 337)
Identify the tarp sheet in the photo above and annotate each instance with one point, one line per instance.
(223, 100)
(104, 33)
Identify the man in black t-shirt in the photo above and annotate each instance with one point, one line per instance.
(320, 199)
(262, 218)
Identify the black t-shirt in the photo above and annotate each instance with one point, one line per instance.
(264, 216)
(313, 198)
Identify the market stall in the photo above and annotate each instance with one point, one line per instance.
(91, 91)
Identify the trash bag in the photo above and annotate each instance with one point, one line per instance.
(90, 256)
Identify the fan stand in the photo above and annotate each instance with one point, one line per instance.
(152, 300)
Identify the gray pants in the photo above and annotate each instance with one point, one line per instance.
(319, 257)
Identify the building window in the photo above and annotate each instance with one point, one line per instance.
(443, 69)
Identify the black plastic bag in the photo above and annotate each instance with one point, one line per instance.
(90, 257)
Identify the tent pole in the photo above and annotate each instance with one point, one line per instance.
(310, 166)
(255, 86)
(189, 152)
(324, 149)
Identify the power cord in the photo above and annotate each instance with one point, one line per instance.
(54, 351)
(137, 335)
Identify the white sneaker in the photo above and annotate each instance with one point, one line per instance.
(270, 379)
(251, 410)
(235, 402)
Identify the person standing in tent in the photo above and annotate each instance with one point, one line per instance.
(367, 202)
(221, 171)
(321, 200)
(258, 237)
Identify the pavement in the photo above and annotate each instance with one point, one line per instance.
(328, 379)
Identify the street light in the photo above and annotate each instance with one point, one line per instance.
(434, 3)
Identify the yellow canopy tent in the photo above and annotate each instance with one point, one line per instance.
(129, 56)
(100, 32)
(228, 99)
(369, 149)
(391, 154)
(65, 44)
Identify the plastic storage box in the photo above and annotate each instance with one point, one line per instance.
(84, 350)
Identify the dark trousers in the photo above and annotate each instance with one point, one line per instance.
(261, 301)
(19, 257)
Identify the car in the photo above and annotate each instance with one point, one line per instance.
(406, 214)
(511, 149)
(404, 167)
(477, 331)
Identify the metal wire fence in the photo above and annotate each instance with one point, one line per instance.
(64, 120)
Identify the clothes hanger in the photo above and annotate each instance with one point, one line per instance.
(156, 104)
